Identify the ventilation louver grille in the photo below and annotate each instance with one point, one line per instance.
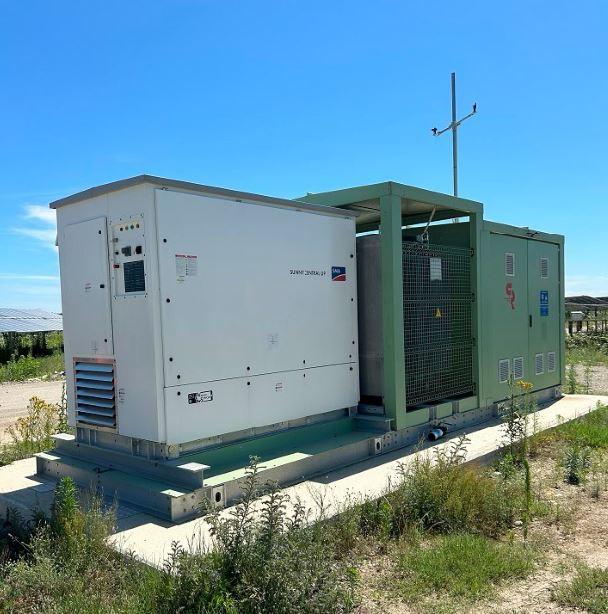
(539, 364)
(544, 268)
(503, 370)
(95, 398)
(551, 362)
(518, 368)
(510, 264)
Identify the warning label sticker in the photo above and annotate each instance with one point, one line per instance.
(186, 265)
(200, 397)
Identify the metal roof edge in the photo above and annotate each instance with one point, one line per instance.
(105, 188)
(188, 186)
(522, 231)
(347, 196)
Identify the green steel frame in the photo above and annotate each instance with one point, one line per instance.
(388, 207)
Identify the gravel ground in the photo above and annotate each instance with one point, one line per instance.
(598, 379)
(15, 396)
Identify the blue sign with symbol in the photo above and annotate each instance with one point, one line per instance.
(544, 303)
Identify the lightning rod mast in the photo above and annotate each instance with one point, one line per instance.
(453, 126)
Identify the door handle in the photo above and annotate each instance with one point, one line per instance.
(530, 320)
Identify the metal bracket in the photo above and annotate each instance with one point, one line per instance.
(218, 496)
(376, 445)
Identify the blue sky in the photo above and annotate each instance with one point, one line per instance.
(284, 97)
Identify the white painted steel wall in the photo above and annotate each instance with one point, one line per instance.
(241, 323)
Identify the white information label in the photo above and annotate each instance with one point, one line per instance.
(435, 269)
(186, 265)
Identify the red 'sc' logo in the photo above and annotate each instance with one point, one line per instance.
(510, 294)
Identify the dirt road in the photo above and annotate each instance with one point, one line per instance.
(15, 396)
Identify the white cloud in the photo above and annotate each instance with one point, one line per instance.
(44, 236)
(42, 228)
(20, 277)
(40, 212)
(589, 285)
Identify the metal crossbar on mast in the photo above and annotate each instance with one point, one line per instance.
(453, 126)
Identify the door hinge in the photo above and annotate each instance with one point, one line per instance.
(472, 297)
(471, 251)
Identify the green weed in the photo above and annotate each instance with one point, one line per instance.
(443, 495)
(576, 463)
(463, 566)
(273, 562)
(20, 368)
(571, 379)
(590, 430)
(587, 591)
(34, 432)
(590, 348)
(69, 567)
(267, 563)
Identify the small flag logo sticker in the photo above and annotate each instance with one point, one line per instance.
(338, 273)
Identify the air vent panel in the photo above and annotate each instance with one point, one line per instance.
(95, 392)
(539, 364)
(504, 368)
(510, 264)
(551, 362)
(518, 368)
(544, 268)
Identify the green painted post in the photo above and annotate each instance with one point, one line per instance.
(475, 224)
(392, 309)
(562, 312)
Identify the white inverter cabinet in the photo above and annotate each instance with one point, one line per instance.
(192, 313)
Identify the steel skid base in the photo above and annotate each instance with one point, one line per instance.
(179, 489)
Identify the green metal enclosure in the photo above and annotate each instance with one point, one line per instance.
(450, 313)
(522, 309)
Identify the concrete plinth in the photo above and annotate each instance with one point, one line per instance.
(150, 539)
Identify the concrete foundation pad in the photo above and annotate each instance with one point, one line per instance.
(150, 539)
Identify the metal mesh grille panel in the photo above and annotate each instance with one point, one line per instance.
(437, 321)
(95, 398)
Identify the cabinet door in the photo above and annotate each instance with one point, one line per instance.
(504, 295)
(543, 305)
(85, 289)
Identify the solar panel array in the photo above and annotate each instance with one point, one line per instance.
(29, 321)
